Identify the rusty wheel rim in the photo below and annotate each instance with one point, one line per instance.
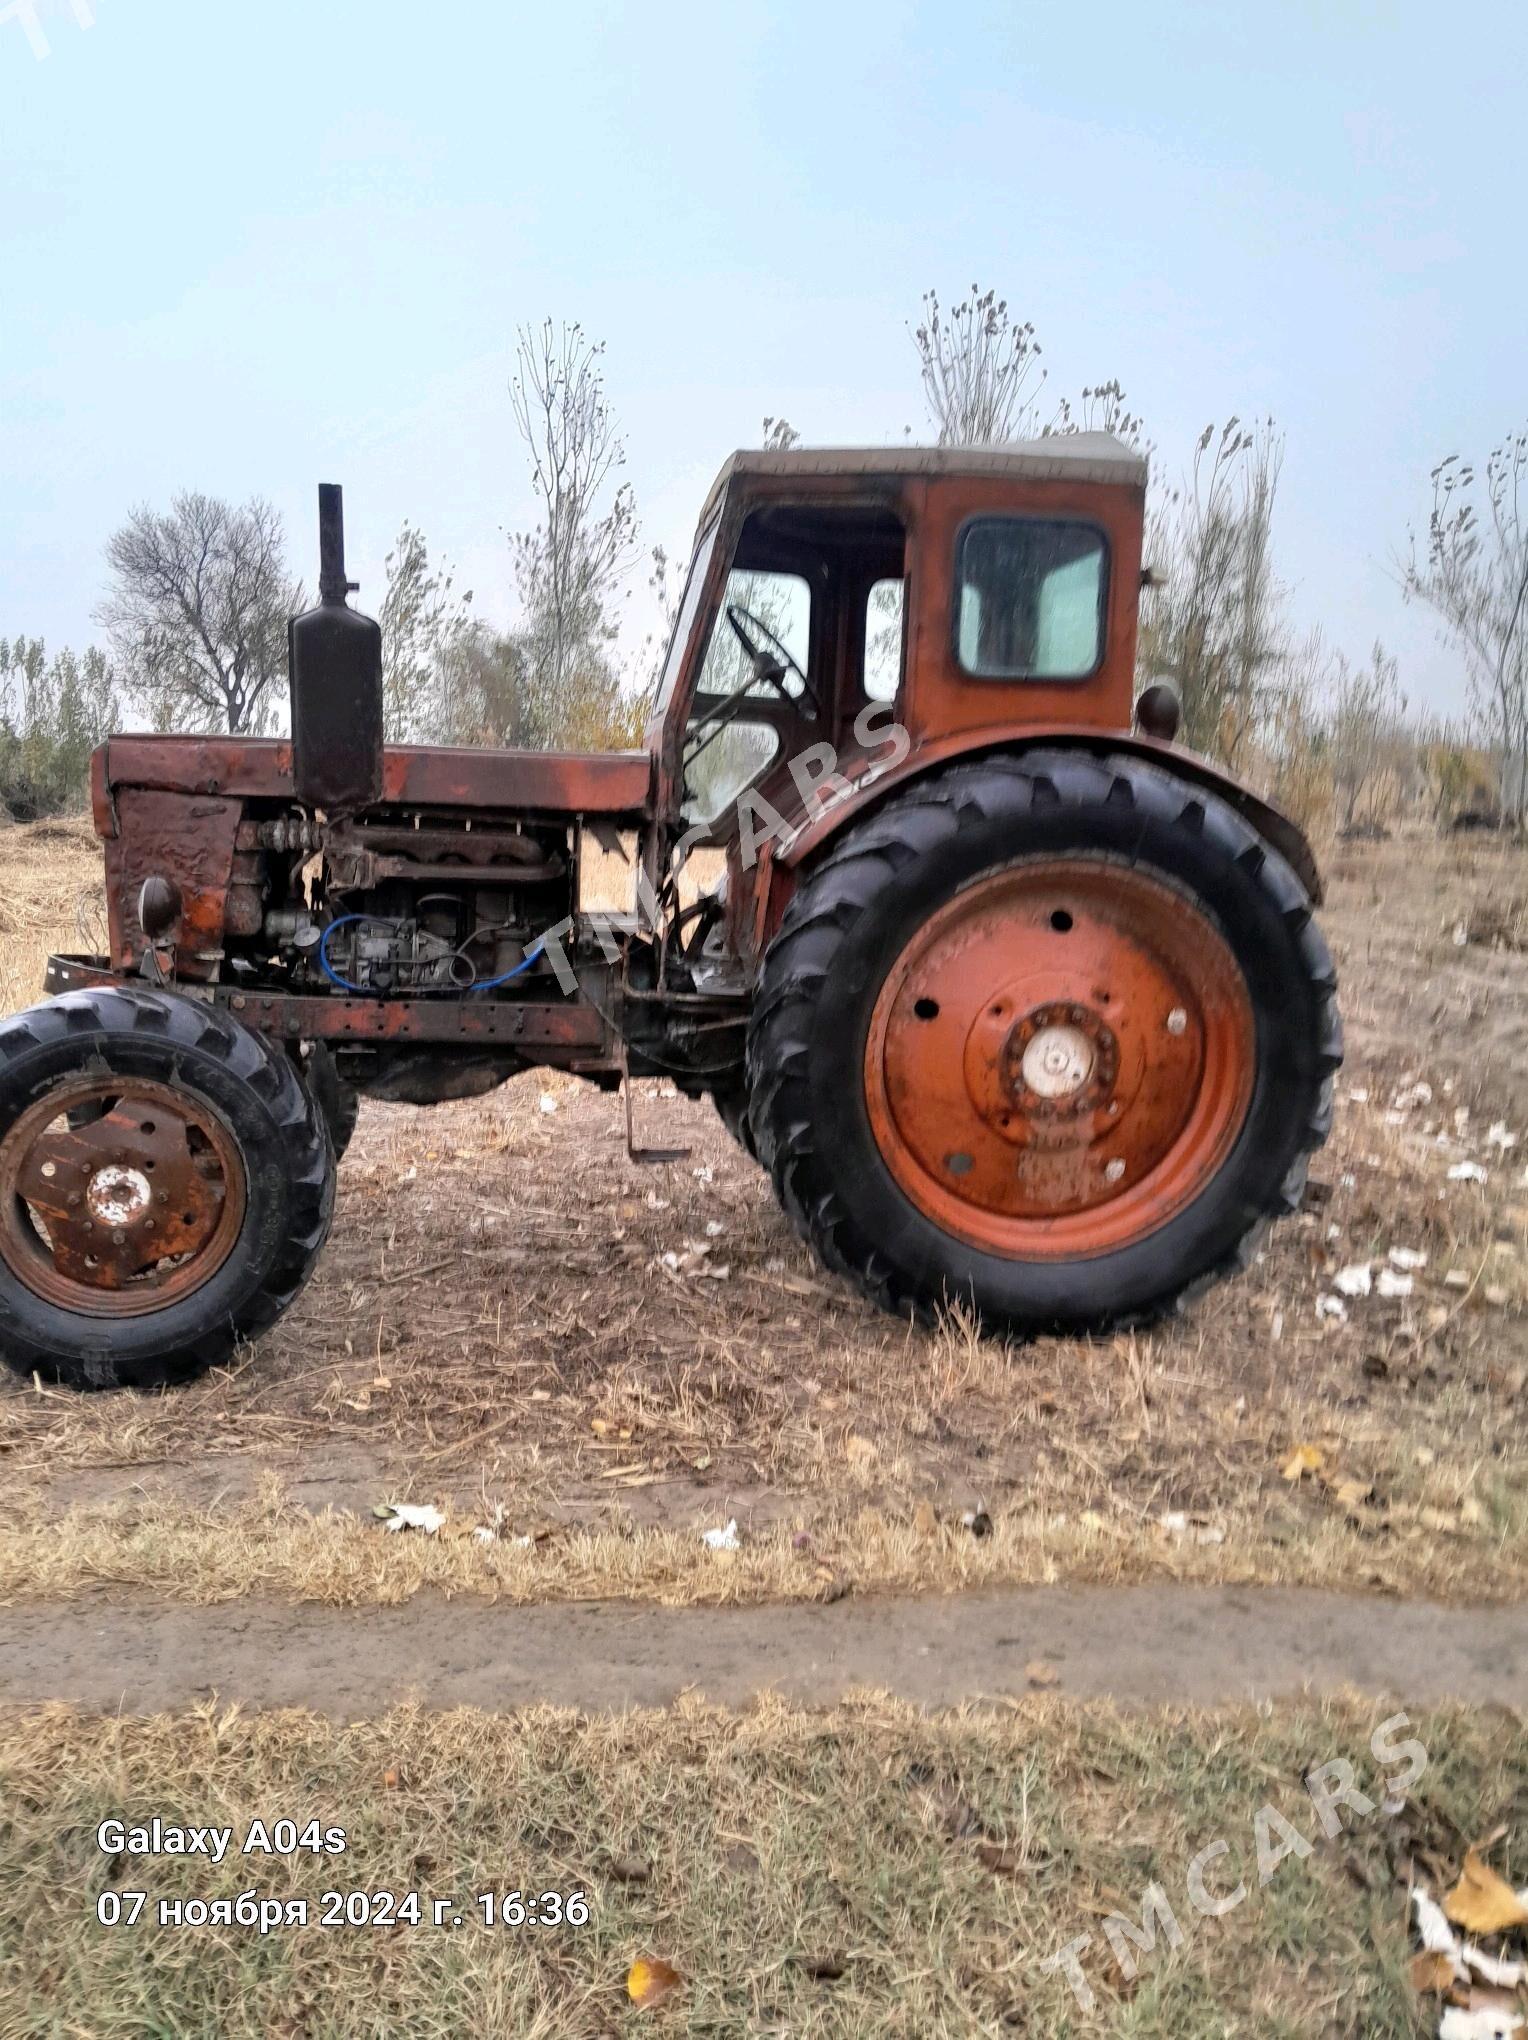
(1060, 1059)
(118, 1196)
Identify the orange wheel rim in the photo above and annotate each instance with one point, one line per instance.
(118, 1196)
(1060, 1059)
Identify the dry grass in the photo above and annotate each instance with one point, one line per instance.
(807, 1873)
(155, 1542)
(493, 1316)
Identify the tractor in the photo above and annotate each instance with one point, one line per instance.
(1020, 1003)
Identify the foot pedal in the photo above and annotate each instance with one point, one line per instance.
(642, 1154)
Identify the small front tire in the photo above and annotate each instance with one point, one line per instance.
(166, 1186)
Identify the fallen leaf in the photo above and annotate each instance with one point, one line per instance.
(1482, 1902)
(650, 1980)
(860, 1451)
(392, 1778)
(1303, 1460)
(925, 1520)
(1352, 1494)
(1001, 1861)
(1431, 1974)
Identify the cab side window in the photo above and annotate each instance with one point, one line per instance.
(1031, 594)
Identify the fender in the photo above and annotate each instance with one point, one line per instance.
(868, 787)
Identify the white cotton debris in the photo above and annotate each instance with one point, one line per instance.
(1461, 934)
(413, 1516)
(1497, 1136)
(1332, 1307)
(1467, 1172)
(1359, 1094)
(1433, 1927)
(1412, 1095)
(1357, 1280)
(725, 1539)
(714, 1228)
(704, 1174)
(1491, 2022)
(695, 1260)
(1392, 1283)
(1406, 1257)
(655, 1202)
(548, 1102)
(1495, 1969)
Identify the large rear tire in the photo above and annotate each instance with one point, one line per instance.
(1050, 1036)
(166, 1184)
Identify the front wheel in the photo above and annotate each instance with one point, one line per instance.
(1050, 1036)
(166, 1184)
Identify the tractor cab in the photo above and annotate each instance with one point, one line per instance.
(953, 590)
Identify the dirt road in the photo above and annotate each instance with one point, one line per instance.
(1137, 1645)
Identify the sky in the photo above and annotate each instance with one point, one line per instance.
(252, 245)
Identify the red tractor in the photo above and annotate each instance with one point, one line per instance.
(1021, 1005)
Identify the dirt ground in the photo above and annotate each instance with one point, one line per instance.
(498, 1320)
(590, 1362)
(1136, 1646)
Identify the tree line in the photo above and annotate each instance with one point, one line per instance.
(198, 596)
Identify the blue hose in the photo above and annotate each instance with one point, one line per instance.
(365, 991)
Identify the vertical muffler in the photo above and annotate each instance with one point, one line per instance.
(334, 668)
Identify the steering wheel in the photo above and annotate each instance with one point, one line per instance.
(769, 658)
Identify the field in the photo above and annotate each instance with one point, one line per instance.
(592, 1362)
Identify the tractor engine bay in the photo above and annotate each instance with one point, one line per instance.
(400, 908)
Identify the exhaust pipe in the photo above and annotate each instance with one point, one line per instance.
(334, 670)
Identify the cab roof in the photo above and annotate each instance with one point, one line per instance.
(1059, 456)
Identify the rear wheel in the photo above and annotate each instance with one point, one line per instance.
(166, 1184)
(1051, 1036)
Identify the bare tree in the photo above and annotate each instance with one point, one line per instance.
(1216, 627)
(980, 370)
(780, 435)
(197, 612)
(1472, 573)
(572, 566)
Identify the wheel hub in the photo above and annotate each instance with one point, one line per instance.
(118, 1195)
(1059, 1058)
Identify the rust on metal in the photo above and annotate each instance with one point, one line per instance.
(1060, 1059)
(413, 776)
(191, 840)
(118, 1195)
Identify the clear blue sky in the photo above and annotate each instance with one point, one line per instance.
(249, 245)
